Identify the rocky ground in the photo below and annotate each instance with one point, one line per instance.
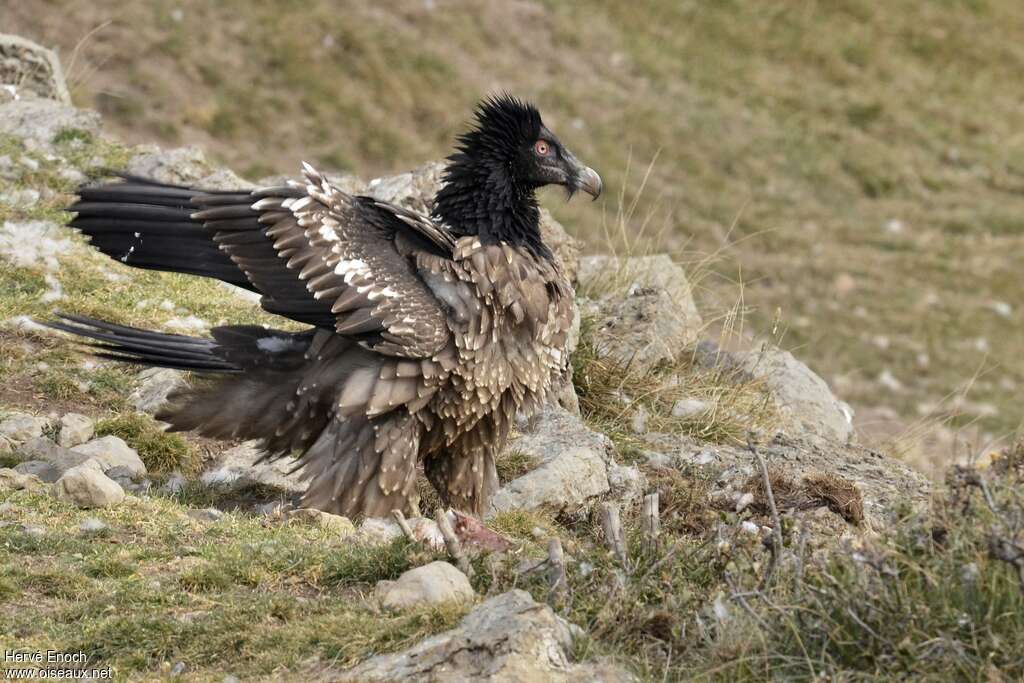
(775, 542)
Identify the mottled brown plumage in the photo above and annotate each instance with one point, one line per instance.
(429, 333)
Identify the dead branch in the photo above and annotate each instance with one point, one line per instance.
(403, 525)
(612, 526)
(1005, 550)
(770, 496)
(556, 569)
(651, 522)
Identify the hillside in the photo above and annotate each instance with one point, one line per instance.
(858, 167)
(687, 508)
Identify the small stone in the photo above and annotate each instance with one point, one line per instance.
(21, 427)
(689, 407)
(273, 508)
(325, 520)
(660, 460)
(174, 485)
(750, 528)
(743, 501)
(75, 430)
(178, 669)
(92, 525)
(88, 487)
(33, 530)
(206, 514)
(378, 531)
(112, 451)
(432, 584)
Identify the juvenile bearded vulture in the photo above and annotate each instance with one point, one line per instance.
(427, 333)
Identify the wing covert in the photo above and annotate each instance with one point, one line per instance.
(338, 261)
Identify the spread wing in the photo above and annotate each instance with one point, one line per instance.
(322, 256)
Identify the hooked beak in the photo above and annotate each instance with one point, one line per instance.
(588, 181)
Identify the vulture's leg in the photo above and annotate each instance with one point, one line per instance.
(364, 466)
(464, 478)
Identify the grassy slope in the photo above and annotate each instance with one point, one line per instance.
(787, 139)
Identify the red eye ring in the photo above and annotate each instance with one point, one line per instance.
(542, 148)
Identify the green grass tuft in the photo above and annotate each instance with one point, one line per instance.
(159, 450)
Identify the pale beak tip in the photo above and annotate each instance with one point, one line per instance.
(590, 182)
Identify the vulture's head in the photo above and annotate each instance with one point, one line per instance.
(511, 140)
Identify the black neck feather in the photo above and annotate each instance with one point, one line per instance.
(481, 197)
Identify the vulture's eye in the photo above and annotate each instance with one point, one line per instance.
(542, 148)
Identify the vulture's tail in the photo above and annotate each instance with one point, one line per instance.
(265, 386)
(146, 224)
(133, 345)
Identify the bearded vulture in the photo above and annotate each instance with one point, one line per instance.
(427, 333)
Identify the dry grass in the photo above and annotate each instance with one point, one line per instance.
(611, 394)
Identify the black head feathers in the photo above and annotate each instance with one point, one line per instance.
(504, 124)
(491, 179)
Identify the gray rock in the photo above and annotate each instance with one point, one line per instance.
(804, 399)
(129, 480)
(274, 508)
(155, 384)
(32, 68)
(88, 487)
(10, 479)
(206, 515)
(572, 464)
(507, 638)
(18, 428)
(61, 458)
(183, 166)
(432, 584)
(645, 307)
(627, 483)
(39, 468)
(75, 429)
(237, 467)
(325, 520)
(689, 407)
(92, 525)
(378, 531)
(885, 484)
(174, 485)
(37, 122)
(111, 452)
(33, 530)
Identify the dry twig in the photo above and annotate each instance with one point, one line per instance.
(612, 526)
(403, 524)
(556, 569)
(651, 522)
